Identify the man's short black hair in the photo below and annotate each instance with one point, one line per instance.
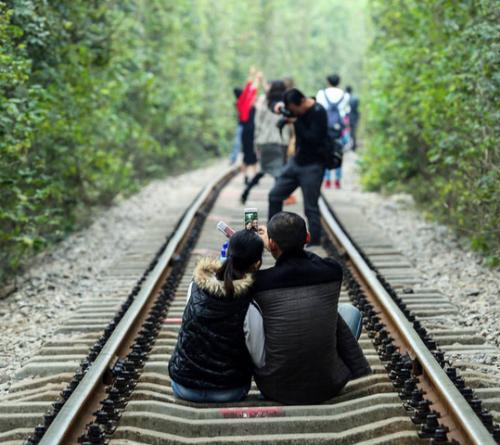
(333, 80)
(293, 96)
(288, 230)
(348, 88)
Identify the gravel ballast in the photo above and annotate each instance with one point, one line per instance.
(440, 259)
(64, 277)
(67, 275)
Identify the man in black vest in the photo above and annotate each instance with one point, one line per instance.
(304, 352)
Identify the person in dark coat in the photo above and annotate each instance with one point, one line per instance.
(306, 168)
(304, 352)
(210, 362)
(354, 115)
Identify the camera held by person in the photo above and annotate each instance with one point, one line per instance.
(287, 114)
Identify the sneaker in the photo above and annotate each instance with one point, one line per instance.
(290, 200)
(337, 183)
(328, 184)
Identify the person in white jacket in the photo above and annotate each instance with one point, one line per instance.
(333, 95)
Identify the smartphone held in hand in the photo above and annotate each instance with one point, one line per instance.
(251, 219)
(225, 229)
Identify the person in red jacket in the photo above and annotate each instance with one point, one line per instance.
(246, 113)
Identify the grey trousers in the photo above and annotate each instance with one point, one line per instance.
(308, 178)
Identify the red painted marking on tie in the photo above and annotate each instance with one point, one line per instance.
(267, 411)
(172, 321)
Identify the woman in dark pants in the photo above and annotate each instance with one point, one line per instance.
(247, 142)
(246, 112)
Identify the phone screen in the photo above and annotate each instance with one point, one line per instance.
(251, 219)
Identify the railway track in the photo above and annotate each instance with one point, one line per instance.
(121, 390)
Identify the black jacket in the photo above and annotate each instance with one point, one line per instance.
(310, 132)
(210, 351)
(310, 351)
(354, 113)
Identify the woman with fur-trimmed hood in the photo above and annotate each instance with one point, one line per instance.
(210, 362)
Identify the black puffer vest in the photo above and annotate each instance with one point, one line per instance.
(210, 351)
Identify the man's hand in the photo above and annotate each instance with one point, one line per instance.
(262, 232)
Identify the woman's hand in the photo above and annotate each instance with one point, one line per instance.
(252, 72)
(278, 106)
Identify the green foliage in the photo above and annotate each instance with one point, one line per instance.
(310, 39)
(433, 116)
(97, 96)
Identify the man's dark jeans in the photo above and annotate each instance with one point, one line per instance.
(308, 178)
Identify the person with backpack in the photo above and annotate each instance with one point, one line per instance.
(336, 103)
(210, 362)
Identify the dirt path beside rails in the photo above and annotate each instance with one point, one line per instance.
(437, 253)
(68, 274)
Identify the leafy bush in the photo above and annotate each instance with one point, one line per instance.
(433, 116)
(89, 106)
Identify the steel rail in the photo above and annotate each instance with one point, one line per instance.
(61, 425)
(460, 410)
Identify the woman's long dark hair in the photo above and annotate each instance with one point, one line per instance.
(245, 249)
(276, 91)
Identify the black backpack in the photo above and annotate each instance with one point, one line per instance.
(331, 152)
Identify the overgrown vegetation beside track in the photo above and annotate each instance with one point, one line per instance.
(433, 110)
(95, 97)
(98, 96)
